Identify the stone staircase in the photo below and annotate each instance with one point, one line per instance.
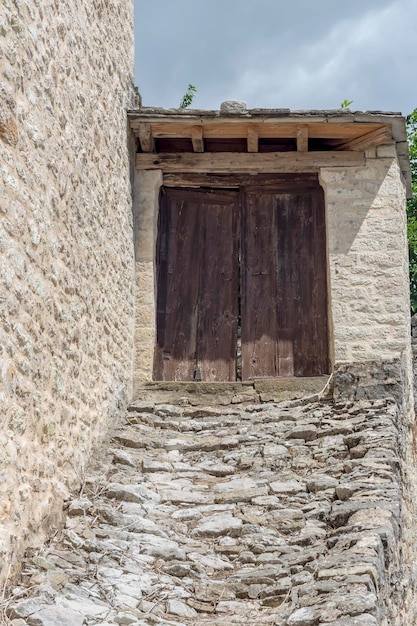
(280, 513)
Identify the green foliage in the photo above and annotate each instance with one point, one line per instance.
(412, 208)
(346, 104)
(188, 97)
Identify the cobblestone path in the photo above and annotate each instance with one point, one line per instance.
(278, 514)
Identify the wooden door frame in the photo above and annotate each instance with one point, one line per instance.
(147, 184)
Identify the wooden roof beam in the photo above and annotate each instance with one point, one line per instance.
(302, 138)
(253, 139)
(247, 162)
(197, 138)
(147, 142)
(374, 138)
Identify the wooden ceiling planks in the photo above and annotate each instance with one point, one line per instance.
(323, 134)
(268, 129)
(348, 136)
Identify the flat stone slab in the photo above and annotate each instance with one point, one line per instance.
(55, 616)
(219, 524)
(289, 487)
(227, 393)
(290, 388)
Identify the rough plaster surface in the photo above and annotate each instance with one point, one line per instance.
(66, 249)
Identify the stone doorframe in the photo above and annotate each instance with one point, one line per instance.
(147, 185)
(368, 302)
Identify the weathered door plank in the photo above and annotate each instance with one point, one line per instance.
(217, 324)
(284, 300)
(197, 286)
(259, 284)
(177, 296)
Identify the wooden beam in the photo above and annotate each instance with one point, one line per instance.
(302, 138)
(253, 139)
(146, 139)
(248, 162)
(227, 128)
(235, 181)
(374, 138)
(197, 138)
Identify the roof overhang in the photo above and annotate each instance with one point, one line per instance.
(280, 139)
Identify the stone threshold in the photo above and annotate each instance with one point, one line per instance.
(224, 393)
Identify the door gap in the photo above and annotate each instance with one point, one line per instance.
(239, 319)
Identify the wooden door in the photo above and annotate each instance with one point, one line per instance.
(284, 284)
(197, 279)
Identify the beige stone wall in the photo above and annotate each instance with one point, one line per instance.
(66, 249)
(369, 300)
(146, 206)
(368, 259)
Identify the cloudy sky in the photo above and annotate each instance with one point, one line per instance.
(300, 54)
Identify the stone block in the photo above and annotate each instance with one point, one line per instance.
(386, 151)
(232, 107)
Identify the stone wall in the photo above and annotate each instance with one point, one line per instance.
(66, 250)
(368, 259)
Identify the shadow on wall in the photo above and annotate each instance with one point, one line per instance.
(359, 202)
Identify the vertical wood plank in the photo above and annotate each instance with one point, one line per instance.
(218, 302)
(145, 137)
(308, 243)
(178, 306)
(259, 283)
(162, 282)
(252, 139)
(287, 279)
(302, 138)
(197, 138)
(197, 286)
(284, 259)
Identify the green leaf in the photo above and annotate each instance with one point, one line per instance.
(188, 97)
(411, 122)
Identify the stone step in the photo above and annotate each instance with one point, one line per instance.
(232, 393)
(262, 514)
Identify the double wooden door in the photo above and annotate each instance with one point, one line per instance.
(241, 275)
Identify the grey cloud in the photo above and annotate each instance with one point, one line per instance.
(301, 54)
